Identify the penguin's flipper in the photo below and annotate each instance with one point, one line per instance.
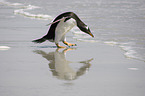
(58, 20)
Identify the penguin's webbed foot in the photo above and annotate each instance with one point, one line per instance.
(58, 46)
(69, 44)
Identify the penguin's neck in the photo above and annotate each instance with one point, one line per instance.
(79, 22)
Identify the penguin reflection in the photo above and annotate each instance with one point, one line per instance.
(60, 66)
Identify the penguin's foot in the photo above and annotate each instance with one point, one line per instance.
(58, 46)
(69, 44)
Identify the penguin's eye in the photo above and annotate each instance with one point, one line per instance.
(87, 27)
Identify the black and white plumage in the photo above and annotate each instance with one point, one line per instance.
(62, 24)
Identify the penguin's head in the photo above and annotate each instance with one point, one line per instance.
(86, 29)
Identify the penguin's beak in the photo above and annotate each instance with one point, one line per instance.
(88, 31)
(90, 34)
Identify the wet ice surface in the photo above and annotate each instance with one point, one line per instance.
(27, 69)
(119, 21)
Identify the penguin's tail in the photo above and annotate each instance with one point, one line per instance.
(39, 40)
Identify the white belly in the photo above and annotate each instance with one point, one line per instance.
(62, 28)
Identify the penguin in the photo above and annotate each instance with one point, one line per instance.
(62, 24)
